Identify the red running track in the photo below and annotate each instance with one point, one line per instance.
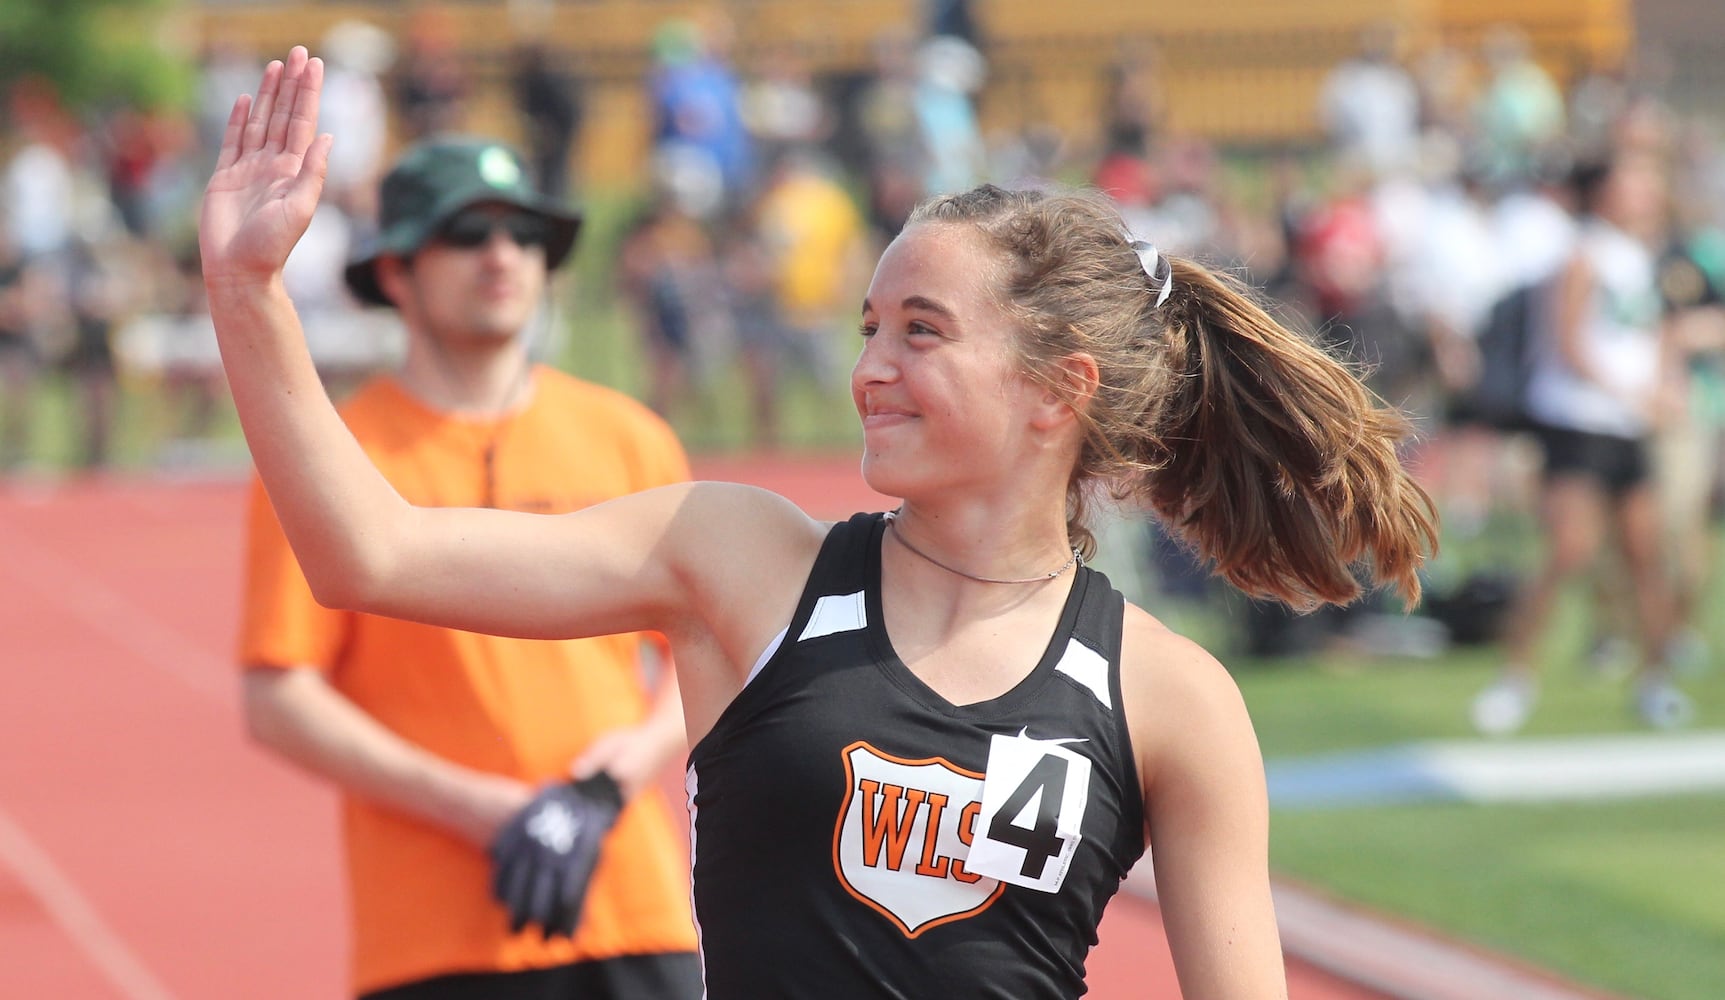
(146, 850)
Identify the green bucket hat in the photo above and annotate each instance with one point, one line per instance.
(437, 178)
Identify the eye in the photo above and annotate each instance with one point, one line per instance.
(916, 326)
(867, 329)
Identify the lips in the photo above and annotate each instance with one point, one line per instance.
(880, 421)
(878, 415)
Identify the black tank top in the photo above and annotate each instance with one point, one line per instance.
(838, 803)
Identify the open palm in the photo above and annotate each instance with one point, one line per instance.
(268, 177)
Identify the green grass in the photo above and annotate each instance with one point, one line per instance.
(1627, 895)
(146, 422)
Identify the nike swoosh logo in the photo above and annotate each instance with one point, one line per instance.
(1024, 734)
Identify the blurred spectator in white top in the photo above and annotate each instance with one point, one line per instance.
(949, 73)
(355, 106)
(1369, 105)
(226, 68)
(1534, 223)
(781, 107)
(39, 184)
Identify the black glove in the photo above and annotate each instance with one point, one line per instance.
(544, 856)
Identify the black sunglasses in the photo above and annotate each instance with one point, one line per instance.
(473, 228)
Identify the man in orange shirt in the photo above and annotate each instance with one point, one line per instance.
(439, 738)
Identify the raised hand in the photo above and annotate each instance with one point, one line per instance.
(268, 177)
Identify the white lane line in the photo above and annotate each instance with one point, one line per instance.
(1556, 769)
(76, 916)
(38, 569)
(109, 613)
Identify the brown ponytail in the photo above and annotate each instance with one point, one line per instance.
(1267, 455)
(1279, 466)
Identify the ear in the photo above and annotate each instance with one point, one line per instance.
(1076, 378)
(393, 277)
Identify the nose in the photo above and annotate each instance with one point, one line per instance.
(875, 364)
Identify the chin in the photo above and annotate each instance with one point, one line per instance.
(883, 475)
(498, 328)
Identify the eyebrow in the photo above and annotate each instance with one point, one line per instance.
(922, 302)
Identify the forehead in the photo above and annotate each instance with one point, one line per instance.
(945, 262)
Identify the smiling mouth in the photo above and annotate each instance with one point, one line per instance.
(886, 418)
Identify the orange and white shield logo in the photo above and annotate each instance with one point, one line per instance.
(903, 833)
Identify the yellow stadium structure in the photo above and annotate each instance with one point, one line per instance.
(1239, 72)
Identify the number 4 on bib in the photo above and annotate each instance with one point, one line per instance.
(1033, 800)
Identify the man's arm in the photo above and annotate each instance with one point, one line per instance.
(634, 755)
(297, 714)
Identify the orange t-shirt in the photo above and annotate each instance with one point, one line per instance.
(524, 708)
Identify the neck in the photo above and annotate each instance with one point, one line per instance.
(991, 563)
(488, 381)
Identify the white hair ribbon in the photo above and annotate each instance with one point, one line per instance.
(1154, 262)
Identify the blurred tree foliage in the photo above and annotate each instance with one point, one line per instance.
(95, 52)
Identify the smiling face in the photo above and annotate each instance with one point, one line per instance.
(939, 387)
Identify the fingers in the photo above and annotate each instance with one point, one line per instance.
(572, 891)
(561, 922)
(543, 897)
(302, 119)
(514, 882)
(231, 135)
(263, 105)
(293, 74)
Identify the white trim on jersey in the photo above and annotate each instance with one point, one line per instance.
(836, 613)
(1087, 667)
(766, 654)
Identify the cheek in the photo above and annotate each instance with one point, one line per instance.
(535, 275)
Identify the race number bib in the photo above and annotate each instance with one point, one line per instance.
(1033, 801)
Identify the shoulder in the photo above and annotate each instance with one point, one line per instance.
(563, 389)
(1181, 704)
(598, 406)
(743, 536)
(742, 556)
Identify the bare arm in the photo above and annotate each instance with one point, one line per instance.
(1455, 354)
(1699, 331)
(1574, 290)
(649, 561)
(336, 509)
(1208, 816)
(299, 716)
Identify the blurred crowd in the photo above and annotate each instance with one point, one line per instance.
(1408, 236)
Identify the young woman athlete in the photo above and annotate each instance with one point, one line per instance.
(927, 746)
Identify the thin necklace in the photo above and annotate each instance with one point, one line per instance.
(1070, 560)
